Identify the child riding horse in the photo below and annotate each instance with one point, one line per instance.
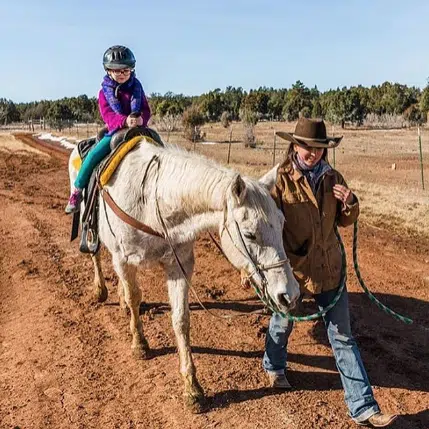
(122, 103)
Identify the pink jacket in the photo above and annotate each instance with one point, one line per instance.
(115, 121)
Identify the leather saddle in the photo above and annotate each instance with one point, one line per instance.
(89, 242)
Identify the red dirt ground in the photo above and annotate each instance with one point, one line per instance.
(66, 362)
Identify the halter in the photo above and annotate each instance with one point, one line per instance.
(257, 268)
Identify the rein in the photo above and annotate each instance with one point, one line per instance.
(257, 268)
(182, 269)
(125, 217)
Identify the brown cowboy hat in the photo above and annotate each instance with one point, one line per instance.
(310, 133)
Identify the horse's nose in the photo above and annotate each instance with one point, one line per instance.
(284, 299)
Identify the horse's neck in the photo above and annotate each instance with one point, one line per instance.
(191, 193)
(190, 184)
(189, 229)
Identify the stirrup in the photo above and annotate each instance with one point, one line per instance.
(89, 241)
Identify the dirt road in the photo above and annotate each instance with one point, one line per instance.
(66, 362)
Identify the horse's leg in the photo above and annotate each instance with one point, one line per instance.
(178, 293)
(132, 295)
(121, 297)
(100, 289)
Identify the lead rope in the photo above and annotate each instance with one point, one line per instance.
(273, 307)
(379, 304)
(338, 294)
(321, 313)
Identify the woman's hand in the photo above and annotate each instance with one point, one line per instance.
(344, 194)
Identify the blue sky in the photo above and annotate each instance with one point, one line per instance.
(52, 49)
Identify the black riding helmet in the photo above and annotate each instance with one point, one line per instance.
(118, 57)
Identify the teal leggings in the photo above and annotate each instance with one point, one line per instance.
(94, 157)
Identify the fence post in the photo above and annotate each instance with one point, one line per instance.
(274, 148)
(195, 137)
(333, 154)
(229, 145)
(421, 157)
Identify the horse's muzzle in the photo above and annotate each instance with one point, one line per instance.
(285, 301)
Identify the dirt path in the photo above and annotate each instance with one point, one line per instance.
(66, 362)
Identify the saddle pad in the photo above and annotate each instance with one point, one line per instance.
(77, 162)
(119, 155)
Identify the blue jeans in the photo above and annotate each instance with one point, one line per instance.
(358, 392)
(94, 157)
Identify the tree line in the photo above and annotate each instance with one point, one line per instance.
(347, 105)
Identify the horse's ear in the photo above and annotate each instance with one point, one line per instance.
(238, 189)
(269, 179)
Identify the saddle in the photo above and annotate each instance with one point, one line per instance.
(122, 142)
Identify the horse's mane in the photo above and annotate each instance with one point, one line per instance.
(198, 165)
(176, 151)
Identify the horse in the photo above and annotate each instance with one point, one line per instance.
(178, 195)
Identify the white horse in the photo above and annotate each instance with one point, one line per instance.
(189, 194)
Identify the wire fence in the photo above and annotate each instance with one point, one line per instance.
(74, 129)
(403, 150)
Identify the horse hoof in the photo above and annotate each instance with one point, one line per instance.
(101, 294)
(125, 311)
(196, 404)
(141, 353)
(194, 398)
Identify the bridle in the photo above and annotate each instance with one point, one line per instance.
(258, 270)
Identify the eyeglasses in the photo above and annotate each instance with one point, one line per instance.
(119, 72)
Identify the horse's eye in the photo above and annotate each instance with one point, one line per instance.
(250, 236)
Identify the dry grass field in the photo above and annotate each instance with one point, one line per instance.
(390, 198)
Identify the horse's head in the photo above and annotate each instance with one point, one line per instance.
(251, 237)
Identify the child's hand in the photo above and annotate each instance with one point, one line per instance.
(342, 193)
